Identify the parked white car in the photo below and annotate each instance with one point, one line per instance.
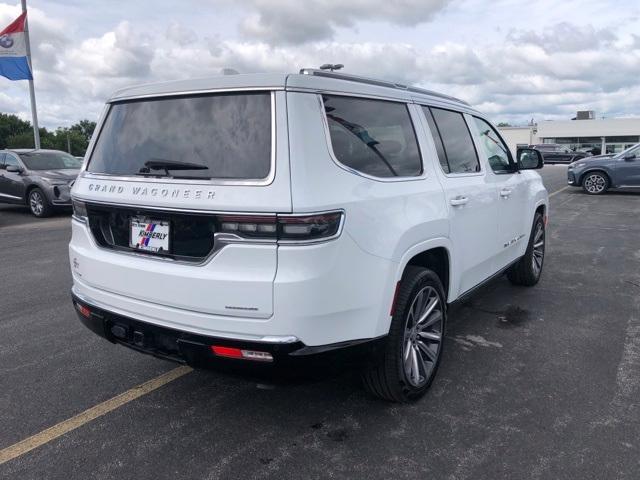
(278, 220)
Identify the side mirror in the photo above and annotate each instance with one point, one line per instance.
(529, 159)
(13, 169)
(630, 158)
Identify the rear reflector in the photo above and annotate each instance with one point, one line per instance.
(230, 352)
(84, 311)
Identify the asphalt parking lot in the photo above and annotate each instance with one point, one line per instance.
(535, 383)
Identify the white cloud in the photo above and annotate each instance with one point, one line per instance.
(512, 76)
(294, 22)
(564, 37)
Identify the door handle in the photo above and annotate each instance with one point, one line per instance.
(459, 200)
(505, 192)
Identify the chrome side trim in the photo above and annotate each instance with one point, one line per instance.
(262, 182)
(10, 196)
(169, 209)
(220, 239)
(266, 338)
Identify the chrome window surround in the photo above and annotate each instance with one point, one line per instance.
(327, 134)
(268, 180)
(221, 239)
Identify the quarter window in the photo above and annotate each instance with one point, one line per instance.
(372, 136)
(457, 145)
(497, 152)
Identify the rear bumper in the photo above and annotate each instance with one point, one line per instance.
(289, 355)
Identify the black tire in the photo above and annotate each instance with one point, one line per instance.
(595, 183)
(528, 270)
(388, 378)
(38, 203)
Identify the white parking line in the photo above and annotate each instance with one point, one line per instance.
(558, 191)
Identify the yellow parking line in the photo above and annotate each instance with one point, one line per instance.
(92, 413)
(558, 191)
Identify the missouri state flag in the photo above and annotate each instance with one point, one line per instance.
(13, 52)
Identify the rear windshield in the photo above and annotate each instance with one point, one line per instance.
(223, 136)
(50, 161)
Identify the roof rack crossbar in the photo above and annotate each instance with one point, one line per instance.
(378, 83)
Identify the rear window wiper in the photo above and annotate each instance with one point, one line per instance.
(166, 165)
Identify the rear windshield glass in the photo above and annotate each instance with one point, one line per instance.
(50, 161)
(225, 136)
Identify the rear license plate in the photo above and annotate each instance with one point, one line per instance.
(150, 235)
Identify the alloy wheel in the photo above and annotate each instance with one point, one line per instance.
(538, 249)
(595, 183)
(36, 202)
(422, 337)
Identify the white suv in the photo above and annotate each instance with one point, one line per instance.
(282, 220)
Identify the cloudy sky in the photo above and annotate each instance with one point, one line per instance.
(514, 60)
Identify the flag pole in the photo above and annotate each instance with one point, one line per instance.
(32, 92)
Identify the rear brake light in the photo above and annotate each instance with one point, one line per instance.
(231, 352)
(310, 227)
(283, 228)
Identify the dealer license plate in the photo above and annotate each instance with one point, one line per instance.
(150, 235)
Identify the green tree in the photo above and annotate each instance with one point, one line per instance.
(17, 133)
(503, 124)
(85, 128)
(10, 126)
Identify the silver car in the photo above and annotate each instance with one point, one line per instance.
(41, 179)
(599, 173)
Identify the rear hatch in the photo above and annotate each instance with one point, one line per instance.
(163, 177)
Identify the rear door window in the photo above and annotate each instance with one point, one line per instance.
(374, 137)
(221, 136)
(457, 144)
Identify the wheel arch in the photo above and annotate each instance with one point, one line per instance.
(28, 191)
(435, 255)
(597, 169)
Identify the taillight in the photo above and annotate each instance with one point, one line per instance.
(309, 227)
(249, 226)
(283, 228)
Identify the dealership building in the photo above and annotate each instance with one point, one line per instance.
(584, 133)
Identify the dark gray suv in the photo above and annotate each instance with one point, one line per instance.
(555, 153)
(40, 179)
(597, 174)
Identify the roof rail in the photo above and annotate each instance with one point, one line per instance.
(376, 82)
